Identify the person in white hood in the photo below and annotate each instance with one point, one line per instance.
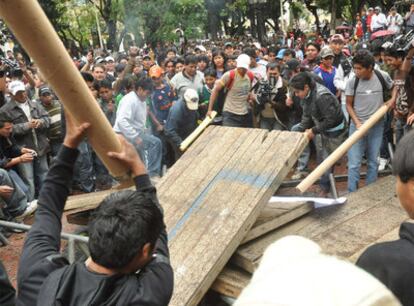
(295, 272)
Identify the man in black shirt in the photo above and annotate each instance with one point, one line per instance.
(129, 262)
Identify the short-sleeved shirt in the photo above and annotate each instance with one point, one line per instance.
(368, 96)
(162, 99)
(181, 82)
(236, 99)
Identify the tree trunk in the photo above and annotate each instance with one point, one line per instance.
(111, 27)
(252, 17)
(333, 16)
(213, 24)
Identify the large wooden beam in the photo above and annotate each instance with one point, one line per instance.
(342, 149)
(33, 30)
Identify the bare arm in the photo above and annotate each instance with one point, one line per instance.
(217, 87)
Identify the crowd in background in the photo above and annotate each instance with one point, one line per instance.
(326, 86)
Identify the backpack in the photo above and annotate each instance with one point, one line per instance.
(385, 91)
(233, 76)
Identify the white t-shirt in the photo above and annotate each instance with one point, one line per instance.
(26, 109)
(259, 72)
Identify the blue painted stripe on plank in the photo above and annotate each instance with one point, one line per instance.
(258, 181)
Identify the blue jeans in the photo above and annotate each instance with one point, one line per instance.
(151, 153)
(271, 124)
(370, 144)
(83, 172)
(16, 204)
(401, 128)
(305, 156)
(33, 174)
(233, 120)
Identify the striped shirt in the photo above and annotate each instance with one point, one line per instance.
(55, 130)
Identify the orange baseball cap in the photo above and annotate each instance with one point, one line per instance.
(155, 71)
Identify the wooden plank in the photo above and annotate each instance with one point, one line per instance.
(231, 281)
(273, 216)
(340, 230)
(213, 195)
(276, 214)
(213, 217)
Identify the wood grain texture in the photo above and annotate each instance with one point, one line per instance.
(276, 214)
(211, 198)
(341, 230)
(214, 203)
(371, 215)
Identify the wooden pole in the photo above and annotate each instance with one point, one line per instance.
(193, 136)
(34, 31)
(342, 149)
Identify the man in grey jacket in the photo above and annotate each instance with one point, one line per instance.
(30, 126)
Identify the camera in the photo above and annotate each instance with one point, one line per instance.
(9, 63)
(34, 153)
(265, 91)
(404, 42)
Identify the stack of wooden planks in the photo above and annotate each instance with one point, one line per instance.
(220, 221)
(371, 215)
(213, 197)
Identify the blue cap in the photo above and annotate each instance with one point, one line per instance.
(280, 54)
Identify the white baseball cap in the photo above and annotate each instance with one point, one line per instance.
(243, 61)
(16, 86)
(191, 99)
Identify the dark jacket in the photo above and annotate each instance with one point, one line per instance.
(181, 122)
(45, 277)
(35, 139)
(321, 110)
(393, 264)
(277, 101)
(8, 150)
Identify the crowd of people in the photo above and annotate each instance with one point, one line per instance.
(325, 88)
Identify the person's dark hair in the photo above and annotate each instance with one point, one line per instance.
(190, 59)
(272, 50)
(273, 66)
(394, 52)
(364, 58)
(219, 53)
(210, 72)
(103, 84)
(170, 50)
(203, 58)
(169, 60)
(87, 77)
(100, 65)
(128, 83)
(119, 68)
(403, 161)
(145, 83)
(120, 227)
(232, 56)
(300, 80)
(315, 44)
(250, 52)
(4, 118)
(179, 61)
(290, 52)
